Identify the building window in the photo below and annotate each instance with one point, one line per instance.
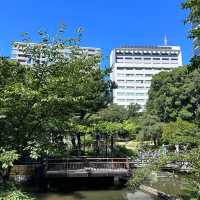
(121, 100)
(121, 93)
(120, 81)
(147, 58)
(128, 54)
(130, 93)
(130, 81)
(139, 81)
(156, 58)
(139, 75)
(129, 68)
(131, 100)
(120, 68)
(129, 75)
(156, 53)
(120, 75)
(119, 54)
(140, 100)
(174, 59)
(148, 75)
(139, 94)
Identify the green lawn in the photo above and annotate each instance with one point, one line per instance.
(132, 145)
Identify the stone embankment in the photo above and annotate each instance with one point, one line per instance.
(160, 195)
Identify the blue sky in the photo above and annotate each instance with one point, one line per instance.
(107, 23)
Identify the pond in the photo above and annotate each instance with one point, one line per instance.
(164, 181)
(168, 183)
(97, 195)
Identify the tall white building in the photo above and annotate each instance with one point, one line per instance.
(133, 68)
(18, 54)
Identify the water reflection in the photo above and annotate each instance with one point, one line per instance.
(168, 182)
(97, 195)
(101, 190)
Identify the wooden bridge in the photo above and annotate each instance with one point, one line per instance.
(88, 167)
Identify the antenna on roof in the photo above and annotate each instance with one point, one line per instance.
(165, 41)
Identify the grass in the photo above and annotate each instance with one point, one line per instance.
(132, 145)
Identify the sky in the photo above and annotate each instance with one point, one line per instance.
(107, 24)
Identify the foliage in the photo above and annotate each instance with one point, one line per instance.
(193, 17)
(174, 100)
(175, 94)
(7, 158)
(180, 132)
(117, 113)
(10, 192)
(150, 129)
(38, 101)
(140, 174)
(133, 110)
(114, 113)
(131, 127)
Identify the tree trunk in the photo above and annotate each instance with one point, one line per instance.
(106, 145)
(154, 141)
(84, 145)
(158, 141)
(73, 140)
(112, 145)
(79, 144)
(97, 144)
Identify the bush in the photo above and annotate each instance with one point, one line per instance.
(10, 192)
(122, 151)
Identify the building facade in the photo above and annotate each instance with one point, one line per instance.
(133, 68)
(18, 54)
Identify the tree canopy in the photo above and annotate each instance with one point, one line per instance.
(38, 100)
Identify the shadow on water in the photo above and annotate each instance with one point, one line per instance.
(86, 189)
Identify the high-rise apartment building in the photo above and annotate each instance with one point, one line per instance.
(18, 54)
(133, 68)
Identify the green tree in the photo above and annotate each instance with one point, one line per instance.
(181, 132)
(113, 113)
(174, 98)
(108, 131)
(193, 17)
(175, 94)
(37, 101)
(151, 129)
(7, 159)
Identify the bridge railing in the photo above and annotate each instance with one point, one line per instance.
(109, 165)
(65, 166)
(88, 164)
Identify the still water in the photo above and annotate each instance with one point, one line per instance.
(168, 183)
(97, 195)
(96, 190)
